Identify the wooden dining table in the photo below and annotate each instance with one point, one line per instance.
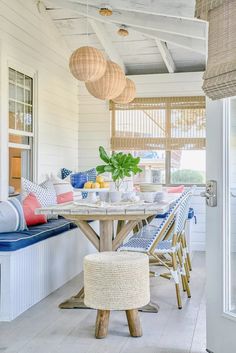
(115, 224)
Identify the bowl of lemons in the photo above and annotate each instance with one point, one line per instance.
(98, 185)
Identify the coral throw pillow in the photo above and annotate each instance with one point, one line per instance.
(176, 189)
(30, 204)
(65, 197)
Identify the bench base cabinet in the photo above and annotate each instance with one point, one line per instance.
(30, 274)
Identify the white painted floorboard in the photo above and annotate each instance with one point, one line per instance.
(46, 329)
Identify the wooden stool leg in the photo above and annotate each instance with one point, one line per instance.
(134, 323)
(102, 322)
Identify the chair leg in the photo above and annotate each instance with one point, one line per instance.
(187, 270)
(189, 261)
(187, 287)
(184, 241)
(181, 266)
(185, 283)
(134, 323)
(175, 269)
(183, 251)
(102, 322)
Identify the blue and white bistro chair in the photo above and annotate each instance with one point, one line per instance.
(162, 243)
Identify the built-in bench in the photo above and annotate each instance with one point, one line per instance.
(36, 262)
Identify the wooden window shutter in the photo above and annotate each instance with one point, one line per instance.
(168, 123)
(220, 75)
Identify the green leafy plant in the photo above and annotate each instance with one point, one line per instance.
(120, 165)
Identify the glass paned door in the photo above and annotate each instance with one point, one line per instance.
(221, 227)
(231, 248)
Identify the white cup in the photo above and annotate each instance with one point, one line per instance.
(115, 196)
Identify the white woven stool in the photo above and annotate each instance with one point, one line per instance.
(116, 281)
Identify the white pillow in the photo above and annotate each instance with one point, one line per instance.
(60, 186)
(44, 192)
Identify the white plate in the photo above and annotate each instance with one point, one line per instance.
(93, 190)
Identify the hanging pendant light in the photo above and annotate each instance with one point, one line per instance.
(110, 85)
(128, 93)
(87, 64)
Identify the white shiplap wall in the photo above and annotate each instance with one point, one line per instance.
(31, 43)
(94, 127)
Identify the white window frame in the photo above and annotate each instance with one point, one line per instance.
(5, 64)
(227, 312)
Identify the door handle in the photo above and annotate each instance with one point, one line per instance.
(205, 194)
(210, 193)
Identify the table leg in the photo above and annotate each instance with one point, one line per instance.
(75, 302)
(106, 234)
(150, 308)
(105, 244)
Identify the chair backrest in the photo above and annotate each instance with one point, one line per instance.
(182, 212)
(159, 233)
(174, 222)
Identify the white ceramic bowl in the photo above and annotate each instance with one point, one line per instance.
(159, 196)
(148, 196)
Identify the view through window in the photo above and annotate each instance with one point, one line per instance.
(168, 134)
(20, 129)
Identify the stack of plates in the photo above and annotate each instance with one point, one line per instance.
(149, 187)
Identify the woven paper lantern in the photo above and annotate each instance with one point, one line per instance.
(128, 94)
(87, 64)
(110, 85)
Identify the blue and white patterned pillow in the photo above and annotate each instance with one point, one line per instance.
(65, 173)
(44, 192)
(11, 216)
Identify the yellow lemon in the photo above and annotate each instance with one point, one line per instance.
(105, 185)
(88, 185)
(95, 186)
(99, 179)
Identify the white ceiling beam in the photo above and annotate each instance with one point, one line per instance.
(106, 42)
(186, 28)
(166, 56)
(174, 8)
(192, 44)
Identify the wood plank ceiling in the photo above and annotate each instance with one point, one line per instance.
(163, 34)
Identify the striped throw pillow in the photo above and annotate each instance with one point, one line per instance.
(63, 189)
(11, 216)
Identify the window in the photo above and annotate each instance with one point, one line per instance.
(188, 167)
(168, 134)
(20, 128)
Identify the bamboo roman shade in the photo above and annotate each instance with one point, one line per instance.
(220, 75)
(168, 123)
(203, 7)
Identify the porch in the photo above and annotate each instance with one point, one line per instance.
(45, 327)
(51, 131)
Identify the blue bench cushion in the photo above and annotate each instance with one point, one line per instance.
(17, 240)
